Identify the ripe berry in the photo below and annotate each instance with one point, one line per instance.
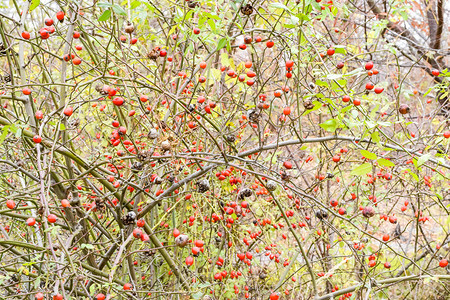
(330, 51)
(122, 130)
(356, 102)
(369, 65)
(203, 65)
(336, 158)
(26, 91)
(10, 204)
(31, 221)
(58, 297)
(340, 65)
(76, 35)
(369, 86)
(100, 297)
(274, 296)
(44, 34)
(199, 243)
(387, 265)
(127, 286)
(289, 64)
(435, 72)
(140, 223)
(68, 111)
(189, 261)
(143, 98)
(277, 93)
(270, 44)
(39, 115)
(48, 22)
(386, 237)
(76, 61)
(65, 203)
(137, 233)
(287, 165)
(37, 139)
(346, 98)
(443, 263)
(195, 251)
(378, 90)
(287, 111)
(447, 134)
(118, 101)
(52, 218)
(196, 31)
(60, 16)
(39, 296)
(26, 35)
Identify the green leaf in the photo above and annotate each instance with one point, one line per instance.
(212, 16)
(288, 25)
(368, 154)
(334, 76)
(203, 285)
(362, 169)
(423, 159)
(105, 15)
(330, 125)
(340, 49)
(279, 5)
(134, 4)
(385, 163)
(376, 136)
(104, 4)
(221, 43)
(87, 246)
(202, 21)
(404, 15)
(62, 127)
(4, 133)
(18, 132)
(197, 295)
(303, 17)
(321, 83)
(34, 4)
(37, 282)
(317, 105)
(212, 24)
(119, 10)
(13, 128)
(294, 20)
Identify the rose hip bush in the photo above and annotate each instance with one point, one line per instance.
(224, 150)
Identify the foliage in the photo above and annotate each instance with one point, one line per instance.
(223, 149)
